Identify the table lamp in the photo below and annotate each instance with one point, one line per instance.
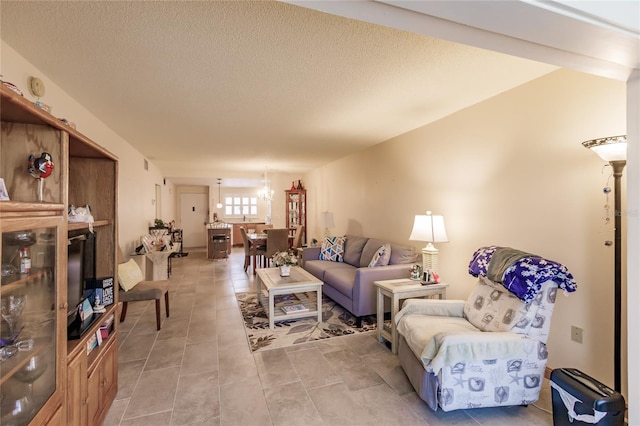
(429, 228)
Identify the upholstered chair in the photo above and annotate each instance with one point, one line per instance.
(490, 350)
(277, 240)
(247, 249)
(297, 238)
(133, 288)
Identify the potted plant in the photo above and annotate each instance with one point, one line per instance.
(285, 260)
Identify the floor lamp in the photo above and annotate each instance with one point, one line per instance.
(614, 151)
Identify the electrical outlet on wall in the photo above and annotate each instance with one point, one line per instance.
(576, 334)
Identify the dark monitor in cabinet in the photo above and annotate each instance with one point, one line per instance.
(81, 269)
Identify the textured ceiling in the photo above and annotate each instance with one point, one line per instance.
(206, 89)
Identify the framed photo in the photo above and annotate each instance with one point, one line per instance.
(4, 195)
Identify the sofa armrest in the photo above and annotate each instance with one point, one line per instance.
(310, 253)
(364, 292)
(432, 307)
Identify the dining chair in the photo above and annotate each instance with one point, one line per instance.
(277, 240)
(260, 249)
(297, 237)
(133, 288)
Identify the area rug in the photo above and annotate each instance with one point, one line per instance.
(336, 321)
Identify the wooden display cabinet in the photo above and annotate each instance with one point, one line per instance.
(296, 212)
(36, 215)
(32, 370)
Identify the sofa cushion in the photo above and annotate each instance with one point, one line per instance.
(332, 249)
(353, 246)
(370, 248)
(402, 254)
(147, 290)
(341, 279)
(317, 268)
(418, 330)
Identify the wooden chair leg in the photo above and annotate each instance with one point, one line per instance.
(123, 314)
(166, 302)
(158, 314)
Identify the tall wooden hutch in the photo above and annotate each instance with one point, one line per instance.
(296, 211)
(45, 378)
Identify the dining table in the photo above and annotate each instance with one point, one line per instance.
(255, 239)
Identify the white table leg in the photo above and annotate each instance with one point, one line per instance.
(380, 315)
(395, 305)
(258, 288)
(319, 296)
(271, 311)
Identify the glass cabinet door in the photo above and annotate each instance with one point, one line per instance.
(29, 340)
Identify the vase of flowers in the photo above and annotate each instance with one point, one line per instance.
(285, 260)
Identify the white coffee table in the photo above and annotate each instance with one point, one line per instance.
(298, 282)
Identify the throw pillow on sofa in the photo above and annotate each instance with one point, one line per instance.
(332, 249)
(381, 257)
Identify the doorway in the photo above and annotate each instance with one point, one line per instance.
(193, 216)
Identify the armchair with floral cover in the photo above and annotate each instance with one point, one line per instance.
(489, 350)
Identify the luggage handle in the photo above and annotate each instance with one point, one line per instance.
(584, 380)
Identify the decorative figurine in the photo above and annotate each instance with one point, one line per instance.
(97, 307)
(40, 168)
(416, 272)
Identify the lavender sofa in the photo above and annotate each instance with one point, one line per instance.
(350, 283)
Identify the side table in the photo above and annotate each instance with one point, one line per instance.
(397, 290)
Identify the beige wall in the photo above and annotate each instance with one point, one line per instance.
(136, 189)
(509, 171)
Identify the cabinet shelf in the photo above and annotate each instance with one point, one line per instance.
(10, 366)
(83, 225)
(13, 282)
(17, 109)
(32, 207)
(78, 345)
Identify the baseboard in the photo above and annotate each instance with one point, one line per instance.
(547, 373)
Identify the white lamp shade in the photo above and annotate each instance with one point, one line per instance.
(429, 228)
(327, 220)
(609, 149)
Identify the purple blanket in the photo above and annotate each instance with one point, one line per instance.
(525, 277)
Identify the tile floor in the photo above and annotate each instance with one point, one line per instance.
(198, 369)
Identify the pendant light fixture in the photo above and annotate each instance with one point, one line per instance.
(266, 193)
(219, 205)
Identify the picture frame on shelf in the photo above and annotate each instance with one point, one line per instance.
(4, 194)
